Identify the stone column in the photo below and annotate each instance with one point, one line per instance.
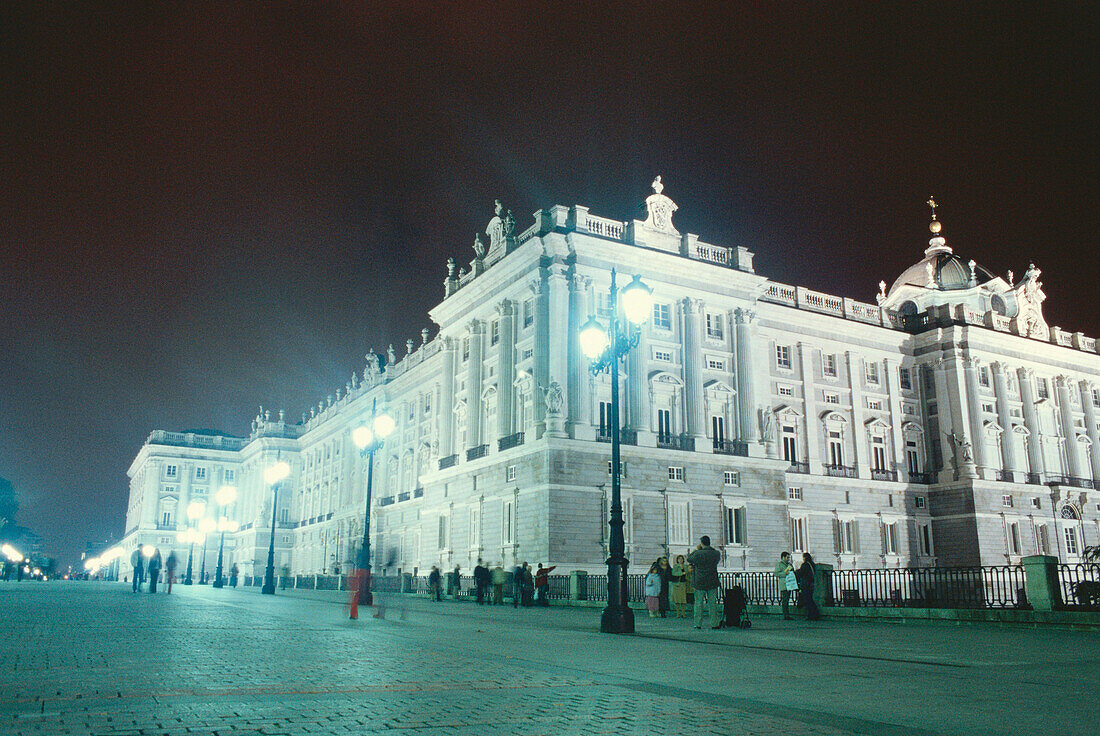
(954, 402)
(746, 370)
(809, 399)
(558, 284)
(1004, 418)
(506, 369)
(893, 395)
(974, 408)
(1031, 421)
(541, 363)
(150, 498)
(1063, 386)
(694, 410)
(446, 406)
(637, 363)
(473, 386)
(580, 402)
(1090, 426)
(859, 431)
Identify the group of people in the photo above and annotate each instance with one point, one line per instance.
(799, 581)
(528, 586)
(150, 567)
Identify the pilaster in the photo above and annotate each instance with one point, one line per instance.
(746, 370)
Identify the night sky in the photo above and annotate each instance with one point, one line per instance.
(206, 209)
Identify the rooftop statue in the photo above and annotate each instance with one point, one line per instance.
(495, 228)
(660, 209)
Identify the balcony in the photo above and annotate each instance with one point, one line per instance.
(841, 471)
(1068, 480)
(418, 493)
(797, 467)
(1005, 476)
(626, 436)
(385, 501)
(448, 462)
(917, 477)
(403, 496)
(512, 440)
(676, 442)
(475, 453)
(731, 447)
(883, 474)
(1032, 479)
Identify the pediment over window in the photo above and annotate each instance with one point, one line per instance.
(912, 428)
(876, 424)
(786, 412)
(664, 378)
(718, 386)
(991, 426)
(832, 417)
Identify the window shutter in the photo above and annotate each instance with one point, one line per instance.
(855, 536)
(838, 544)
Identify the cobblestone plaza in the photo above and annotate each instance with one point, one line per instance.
(89, 658)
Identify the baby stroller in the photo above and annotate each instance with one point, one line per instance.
(733, 605)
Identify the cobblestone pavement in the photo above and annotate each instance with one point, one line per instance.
(94, 658)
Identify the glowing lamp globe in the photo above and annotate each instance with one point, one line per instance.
(207, 525)
(593, 338)
(362, 436)
(384, 425)
(226, 495)
(148, 550)
(275, 473)
(637, 301)
(195, 509)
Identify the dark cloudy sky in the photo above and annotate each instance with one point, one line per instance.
(208, 208)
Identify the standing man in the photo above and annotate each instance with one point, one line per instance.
(137, 562)
(434, 584)
(517, 585)
(155, 563)
(499, 577)
(457, 577)
(542, 584)
(481, 580)
(705, 561)
(170, 569)
(782, 568)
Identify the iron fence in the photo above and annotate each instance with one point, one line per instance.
(1080, 585)
(559, 586)
(929, 587)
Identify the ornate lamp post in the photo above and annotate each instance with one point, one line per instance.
(605, 348)
(369, 438)
(273, 475)
(195, 510)
(206, 526)
(225, 496)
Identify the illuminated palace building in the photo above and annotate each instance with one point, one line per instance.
(947, 424)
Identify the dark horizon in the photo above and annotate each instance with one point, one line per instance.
(211, 209)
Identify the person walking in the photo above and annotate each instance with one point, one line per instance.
(137, 562)
(782, 569)
(481, 580)
(456, 578)
(805, 576)
(679, 587)
(170, 569)
(705, 561)
(517, 585)
(435, 584)
(542, 584)
(653, 590)
(154, 566)
(233, 573)
(498, 578)
(665, 572)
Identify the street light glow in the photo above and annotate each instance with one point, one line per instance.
(362, 436)
(226, 495)
(637, 301)
(207, 525)
(228, 525)
(275, 473)
(593, 339)
(196, 509)
(383, 425)
(148, 550)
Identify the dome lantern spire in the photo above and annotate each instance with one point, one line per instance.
(937, 244)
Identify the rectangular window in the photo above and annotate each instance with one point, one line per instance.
(230, 476)
(1071, 540)
(676, 473)
(878, 453)
(848, 537)
(921, 502)
(1036, 503)
(794, 494)
(790, 445)
(870, 372)
(1041, 388)
(905, 379)
(1042, 539)
(510, 474)
(785, 390)
(494, 332)
(171, 471)
(799, 538)
(714, 326)
(166, 518)
(605, 418)
(924, 534)
(1014, 538)
(527, 354)
(987, 407)
(1096, 397)
(528, 313)
(831, 398)
(718, 429)
(622, 468)
(662, 317)
(828, 365)
(983, 376)
(465, 348)
(874, 404)
(665, 355)
(783, 356)
(679, 532)
(1006, 501)
(427, 403)
(735, 526)
(929, 379)
(890, 539)
(912, 457)
(200, 473)
(507, 523)
(664, 425)
(442, 532)
(715, 364)
(731, 478)
(836, 449)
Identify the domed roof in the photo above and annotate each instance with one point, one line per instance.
(947, 270)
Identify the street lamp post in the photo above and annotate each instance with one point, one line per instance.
(206, 526)
(195, 510)
(273, 475)
(368, 438)
(605, 348)
(224, 497)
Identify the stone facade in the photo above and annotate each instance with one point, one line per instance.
(946, 425)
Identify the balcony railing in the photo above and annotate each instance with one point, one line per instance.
(403, 496)
(1005, 476)
(841, 471)
(1068, 480)
(731, 447)
(918, 477)
(626, 436)
(676, 442)
(385, 501)
(418, 493)
(883, 474)
(797, 467)
(448, 462)
(477, 452)
(1033, 479)
(512, 440)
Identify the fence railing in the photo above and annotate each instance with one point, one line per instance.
(1080, 585)
(930, 587)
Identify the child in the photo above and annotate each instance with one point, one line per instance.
(653, 591)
